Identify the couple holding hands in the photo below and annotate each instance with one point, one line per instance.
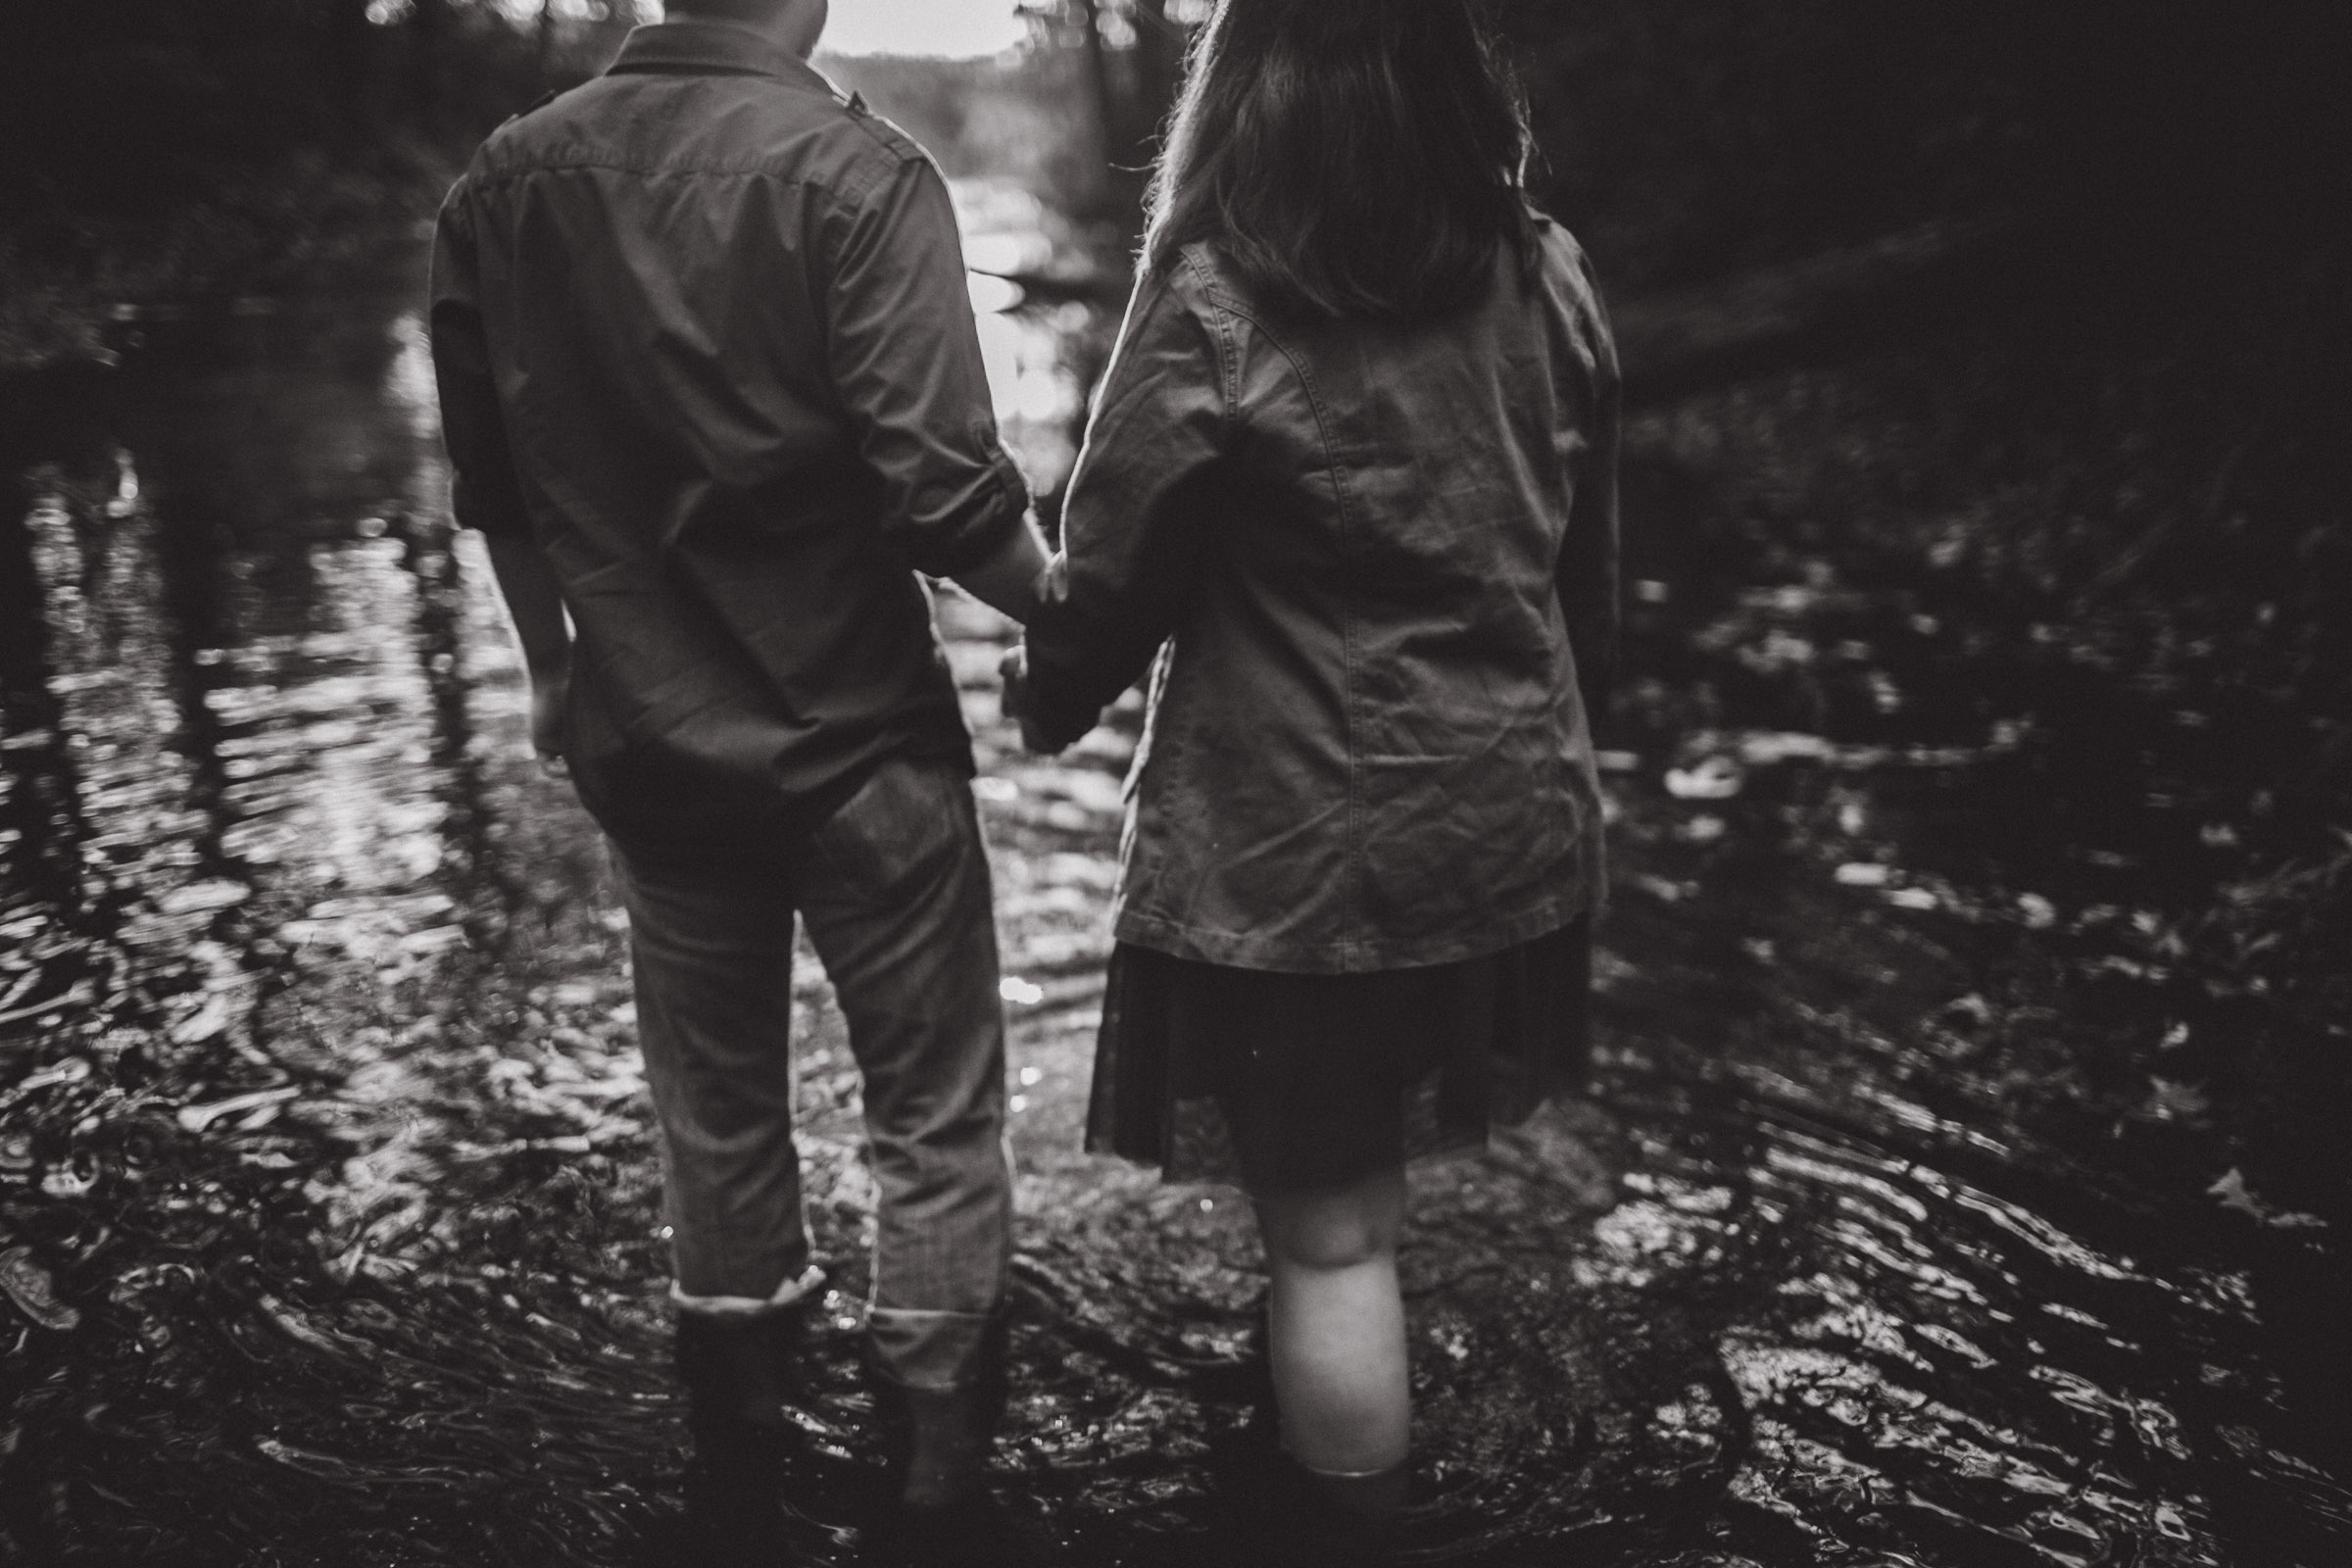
(711, 390)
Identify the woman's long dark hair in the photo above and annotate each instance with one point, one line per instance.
(1349, 157)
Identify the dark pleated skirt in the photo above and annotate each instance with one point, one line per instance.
(1294, 1081)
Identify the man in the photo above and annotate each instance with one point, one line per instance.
(711, 390)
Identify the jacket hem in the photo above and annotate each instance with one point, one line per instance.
(1238, 952)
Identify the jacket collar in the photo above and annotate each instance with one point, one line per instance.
(706, 48)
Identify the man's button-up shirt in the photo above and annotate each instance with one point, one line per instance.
(702, 331)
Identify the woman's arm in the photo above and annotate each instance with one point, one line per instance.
(1131, 524)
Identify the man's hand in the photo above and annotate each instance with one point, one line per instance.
(550, 695)
(535, 600)
(1014, 668)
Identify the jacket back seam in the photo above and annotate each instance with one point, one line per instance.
(1229, 371)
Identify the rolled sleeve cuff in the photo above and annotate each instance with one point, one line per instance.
(972, 532)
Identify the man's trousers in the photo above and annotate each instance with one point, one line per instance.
(893, 889)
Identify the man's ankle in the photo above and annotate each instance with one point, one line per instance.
(742, 1370)
(799, 1284)
(937, 1438)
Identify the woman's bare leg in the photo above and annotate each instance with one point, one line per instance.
(1336, 1324)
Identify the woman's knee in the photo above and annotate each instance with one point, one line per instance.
(1326, 1231)
(1328, 1249)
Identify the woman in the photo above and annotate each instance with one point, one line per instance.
(1352, 476)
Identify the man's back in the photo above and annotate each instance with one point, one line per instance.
(703, 334)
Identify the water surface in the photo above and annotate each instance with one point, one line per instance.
(328, 1206)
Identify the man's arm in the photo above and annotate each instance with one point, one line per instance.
(1007, 581)
(484, 494)
(535, 603)
(906, 357)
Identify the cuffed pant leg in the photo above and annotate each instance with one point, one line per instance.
(898, 903)
(713, 967)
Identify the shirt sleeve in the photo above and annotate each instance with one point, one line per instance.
(905, 354)
(1133, 522)
(483, 492)
(1588, 571)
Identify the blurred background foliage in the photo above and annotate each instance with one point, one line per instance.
(108, 106)
(157, 151)
(1683, 139)
(1004, 118)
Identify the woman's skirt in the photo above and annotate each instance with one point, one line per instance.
(1298, 1081)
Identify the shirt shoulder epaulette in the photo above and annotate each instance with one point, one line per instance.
(904, 146)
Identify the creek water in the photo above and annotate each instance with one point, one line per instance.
(328, 1203)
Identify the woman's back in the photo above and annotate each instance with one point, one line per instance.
(1373, 542)
(1427, 469)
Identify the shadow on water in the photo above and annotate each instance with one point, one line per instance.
(328, 1206)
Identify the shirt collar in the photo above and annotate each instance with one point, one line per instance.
(701, 48)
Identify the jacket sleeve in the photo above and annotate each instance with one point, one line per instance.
(484, 493)
(1132, 524)
(1588, 569)
(905, 354)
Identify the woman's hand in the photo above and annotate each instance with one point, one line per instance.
(1014, 668)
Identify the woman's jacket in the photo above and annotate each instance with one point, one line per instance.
(1377, 563)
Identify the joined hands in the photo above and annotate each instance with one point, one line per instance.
(1014, 668)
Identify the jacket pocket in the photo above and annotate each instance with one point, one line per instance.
(1451, 847)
